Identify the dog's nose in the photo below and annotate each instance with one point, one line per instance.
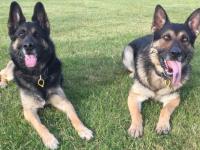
(175, 52)
(28, 46)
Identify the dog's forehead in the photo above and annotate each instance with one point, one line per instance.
(31, 26)
(176, 28)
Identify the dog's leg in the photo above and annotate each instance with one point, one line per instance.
(134, 104)
(48, 139)
(6, 74)
(128, 60)
(62, 103)
(169, 104)
(30, 106)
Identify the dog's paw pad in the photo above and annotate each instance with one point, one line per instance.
(163, 128)
(50, 141)
(86, 134)
(135, 131)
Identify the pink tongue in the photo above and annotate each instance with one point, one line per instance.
(176, 67)
(30, 60)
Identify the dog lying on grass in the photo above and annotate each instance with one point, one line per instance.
(160, 65)
(37, 71)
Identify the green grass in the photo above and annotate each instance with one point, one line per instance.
(89, 36)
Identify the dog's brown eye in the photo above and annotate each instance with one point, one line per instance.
(167, 37)
(21, 34)
(184, 39)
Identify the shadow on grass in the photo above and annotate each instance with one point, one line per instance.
(84, 76)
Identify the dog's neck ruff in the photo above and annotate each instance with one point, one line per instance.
(41, 78)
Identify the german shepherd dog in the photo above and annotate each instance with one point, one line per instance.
(160, 65)
(37, 71)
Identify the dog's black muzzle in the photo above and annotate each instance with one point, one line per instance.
(28, 45)
(175, 53)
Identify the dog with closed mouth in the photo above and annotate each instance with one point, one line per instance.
(160, 63)
(37, 71)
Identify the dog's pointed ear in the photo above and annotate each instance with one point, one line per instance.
(40, 16)
(16, 18)
(193, 21)
(160, 18)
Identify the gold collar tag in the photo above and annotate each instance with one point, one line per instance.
(40, 82)
(168, 83)
(153, 50)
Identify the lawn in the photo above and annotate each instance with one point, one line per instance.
(89, 36)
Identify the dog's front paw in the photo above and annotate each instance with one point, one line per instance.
(135, 130)
(163, 127)
(50, 141)
(85, 133)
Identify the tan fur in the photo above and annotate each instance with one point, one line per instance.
(134, 105)
(32, 103)
(141, 90)
(155, 81)
(15, 44)
(162, 92)
(48, 139)
(141, 71)
(155, 60)
(30, 106)
(139, 93)
(167, 98)
(145, 92)
(163, 123)
(162, 44)
(6, 74)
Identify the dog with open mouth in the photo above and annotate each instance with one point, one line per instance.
(160, 65)
(37, 71)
